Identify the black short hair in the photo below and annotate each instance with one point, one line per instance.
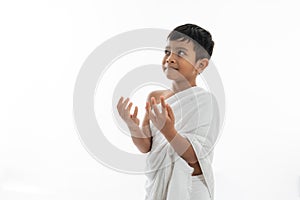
(194, 33)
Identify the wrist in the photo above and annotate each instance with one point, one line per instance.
(133, 128)
(169, 132)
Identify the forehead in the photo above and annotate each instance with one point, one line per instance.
(175, 44)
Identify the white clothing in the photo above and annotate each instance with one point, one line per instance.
(199, 188)
(169, 177)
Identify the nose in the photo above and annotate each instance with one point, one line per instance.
(171, 58)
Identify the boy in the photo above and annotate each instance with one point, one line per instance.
(190, 139)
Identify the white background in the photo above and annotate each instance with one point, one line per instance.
(44, 43)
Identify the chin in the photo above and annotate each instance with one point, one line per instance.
(171, 76)
(174, 75)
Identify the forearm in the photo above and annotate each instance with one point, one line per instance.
(181, 146)
(142, 140)
(143, 144)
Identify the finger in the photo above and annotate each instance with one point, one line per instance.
(170, 112)
(120, 101)
(163, 104)
(135, 112)
(154, 106)
(125, 103)
(151, 116)
(129, 106)
(152, 101)
(162, 100)
(148, 108)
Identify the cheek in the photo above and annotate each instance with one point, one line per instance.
(164, 60)
(188, 63)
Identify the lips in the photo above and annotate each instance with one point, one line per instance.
(170, 67)
(173, 68)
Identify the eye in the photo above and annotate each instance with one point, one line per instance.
(167, 52)
(181, 53)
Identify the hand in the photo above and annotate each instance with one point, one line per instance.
(130, 119)
(163, 121)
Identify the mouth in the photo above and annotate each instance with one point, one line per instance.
(169, 67)
(173, 68)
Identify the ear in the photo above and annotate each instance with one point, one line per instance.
(201, 64)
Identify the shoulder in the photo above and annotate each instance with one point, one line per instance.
(205, 100)
(157, 93)
(208, 102)
(204, 95)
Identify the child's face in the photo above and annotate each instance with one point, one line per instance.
(179, 60)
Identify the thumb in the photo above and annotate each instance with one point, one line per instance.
(170, 112)
(147, 107)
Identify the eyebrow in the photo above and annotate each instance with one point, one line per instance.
(168, 47)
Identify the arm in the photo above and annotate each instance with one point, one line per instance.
(165, 123)
(144, 144)
(141, 137)
(181, 146)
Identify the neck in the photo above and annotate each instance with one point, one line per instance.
(182, 85)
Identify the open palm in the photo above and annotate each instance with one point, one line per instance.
(124, 111)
